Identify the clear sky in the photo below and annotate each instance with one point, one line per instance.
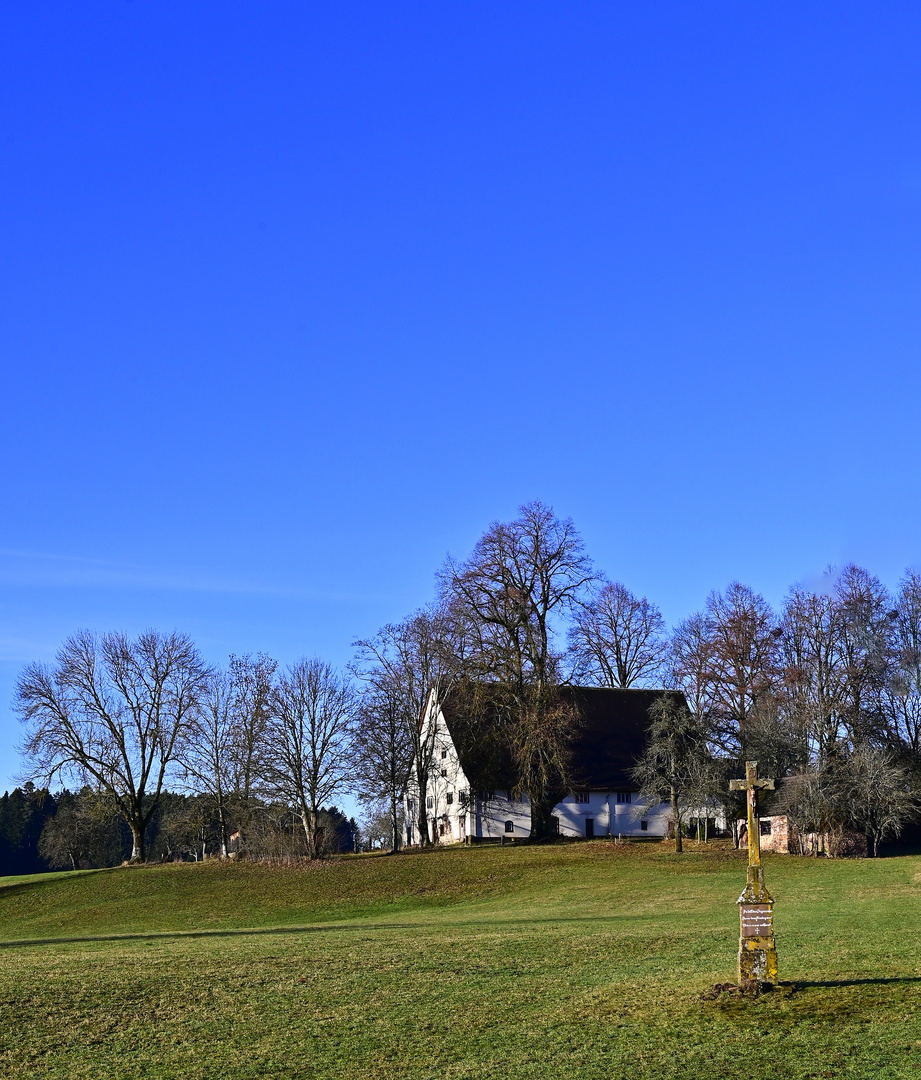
(297, 298)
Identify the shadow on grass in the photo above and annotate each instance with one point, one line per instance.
(796, 985)
(39, 881)
(179, 935)
(316, 928)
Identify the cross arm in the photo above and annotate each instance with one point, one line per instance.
(743, 785)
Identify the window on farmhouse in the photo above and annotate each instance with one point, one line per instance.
(510, 826)
(580, 796)
(624, 796)
(444, 772)
(410, 805)
(444, 754)
(765, 824)
(449, 798)
(430, 802)
(644, 825)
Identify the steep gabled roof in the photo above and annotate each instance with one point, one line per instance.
(608, 742)
(484, 754)
(612, 734)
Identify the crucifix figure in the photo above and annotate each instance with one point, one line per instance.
(757, 952)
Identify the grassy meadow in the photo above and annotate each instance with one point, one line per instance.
(585, 960)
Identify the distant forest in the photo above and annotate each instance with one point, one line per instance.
(42, 831)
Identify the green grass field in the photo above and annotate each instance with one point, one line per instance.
(581, 961)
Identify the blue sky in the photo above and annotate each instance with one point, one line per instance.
(296, 299)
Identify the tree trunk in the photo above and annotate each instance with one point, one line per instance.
(314, 839)
(394, 823)
(540, 817)
(138, 854)
(222, 818)
(676, 820)
(422, 821)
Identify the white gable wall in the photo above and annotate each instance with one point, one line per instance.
(447, 797)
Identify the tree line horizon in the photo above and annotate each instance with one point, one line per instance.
(825, 692)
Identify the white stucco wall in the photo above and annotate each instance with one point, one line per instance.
(610, 816)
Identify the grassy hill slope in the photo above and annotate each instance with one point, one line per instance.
(587, 960)
(216, 896)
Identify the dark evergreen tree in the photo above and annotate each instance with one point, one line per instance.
(23, 813)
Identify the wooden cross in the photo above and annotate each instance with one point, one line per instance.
(751, 784)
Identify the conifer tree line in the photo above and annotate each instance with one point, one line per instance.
(825, 693)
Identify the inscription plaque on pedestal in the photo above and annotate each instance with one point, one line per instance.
(757, 920)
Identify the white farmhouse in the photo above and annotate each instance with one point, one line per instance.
(470, 797)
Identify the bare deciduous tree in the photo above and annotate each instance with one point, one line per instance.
(837, 661)
(415, 665)
(743, 671)
(84, 832)
(112, 713)
(522, 578)
(876, 792)
(903, 686)
(381, 754)
(864, 788)
(725, 660)
(865, 604)
(207, 752)
(690, 663)
(219, 757)
(377, 826)
(306, 762)
(251, 684)
(813, 677)
(618, 639)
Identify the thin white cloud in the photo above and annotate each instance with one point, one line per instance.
(49, 570)
(20, 650)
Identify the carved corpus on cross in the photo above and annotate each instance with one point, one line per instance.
(757, 952)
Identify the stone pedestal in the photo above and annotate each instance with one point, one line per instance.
(757, 951)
